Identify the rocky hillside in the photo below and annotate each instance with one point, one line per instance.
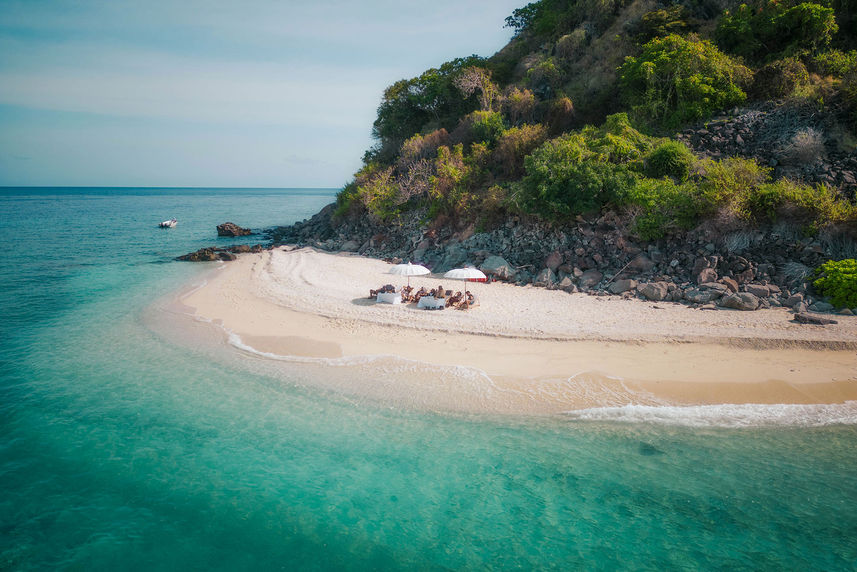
(701, 152)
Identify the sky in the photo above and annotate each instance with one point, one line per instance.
(210, 93)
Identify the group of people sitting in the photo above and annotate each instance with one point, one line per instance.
(457, 300)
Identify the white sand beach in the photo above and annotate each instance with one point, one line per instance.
(540, 351)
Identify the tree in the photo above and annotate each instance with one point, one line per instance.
(677, 80)
(474, 79)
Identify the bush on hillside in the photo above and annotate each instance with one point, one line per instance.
(766, 29)
(677, 80)
(518, 105)
(670, 159)
(663, 22)
(835, 62)
(779, 79)
(514, 145)
(661, 207)
(583, 171)
(479, 127)
(838, 281)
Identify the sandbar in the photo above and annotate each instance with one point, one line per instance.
(538, 350)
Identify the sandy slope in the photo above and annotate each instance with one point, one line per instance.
(308, 303)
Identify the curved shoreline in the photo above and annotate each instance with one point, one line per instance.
(525, 340)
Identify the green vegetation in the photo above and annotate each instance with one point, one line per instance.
(838, 281)
(670, 159)
(767, 29)
(677, 80)
(544, 128)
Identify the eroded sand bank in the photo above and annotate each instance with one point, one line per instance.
(525, 349)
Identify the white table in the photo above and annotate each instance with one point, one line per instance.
(432, 303)
(389, 298)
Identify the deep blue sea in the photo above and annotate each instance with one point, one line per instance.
(122, 450)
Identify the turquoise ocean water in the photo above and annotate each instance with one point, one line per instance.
(120, 449)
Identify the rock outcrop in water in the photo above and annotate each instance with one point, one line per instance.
(216, 253)
(232, 229)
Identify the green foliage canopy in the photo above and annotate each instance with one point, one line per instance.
(768, 29)
(677, 80)
(838, 281)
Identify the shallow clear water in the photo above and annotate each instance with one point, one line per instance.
(121, 450)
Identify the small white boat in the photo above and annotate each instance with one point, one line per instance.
(168, 223)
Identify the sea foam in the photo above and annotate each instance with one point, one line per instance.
(727, 415)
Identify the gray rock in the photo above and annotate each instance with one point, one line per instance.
(641, 263)
(497, 267)
(232, 229)
(590, 278)
(740, 301)
(350, 246)
(620, 286)
(794, 299)
(846, 312)
(821, 307)
(803, 318)
(800, 307)
(714, 286)
(758, 290)
(553, 260)
(706, 275)
(731, 284)
(655, 291)
(698, 296)
(567, 285)
(544, 278)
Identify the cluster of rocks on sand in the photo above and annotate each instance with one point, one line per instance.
(713, 266)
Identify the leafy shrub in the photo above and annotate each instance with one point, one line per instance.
(768, 28)
(583, 171)
(518, 105)
(560, 115)
(569, 46)
(724, 181)
(544, 78)
(515, 144)
(422, 146)
(670, 159)
(479, 126)
(345, 200)
(663, 22)
(836, 62)
(838, 281)
(663, 206)
(779, 79)
(677, 80)
(380, 194)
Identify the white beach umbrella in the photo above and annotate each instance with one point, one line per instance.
(466, 273)
(408, 270)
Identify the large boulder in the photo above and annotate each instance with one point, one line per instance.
(758, 290)
(641, 264)
(350, 246)
(553, 260)
(620, 286)
(655, 291)
(706, 275)
(700, 296)
(232, 229)
(544, 278)
(590, 278)
(497, 267)
(740, 301)
(803, 318)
